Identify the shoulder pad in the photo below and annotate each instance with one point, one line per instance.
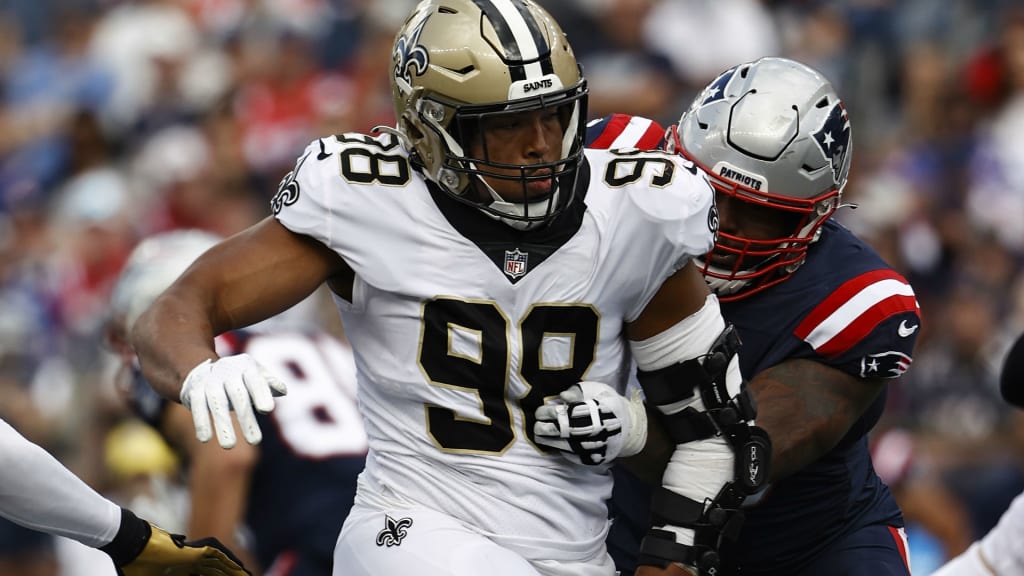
(624, 131)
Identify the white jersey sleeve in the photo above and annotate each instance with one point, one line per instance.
(998, 552)
(1001, 546)
(298, 204)
(343, 192)
(665, 209)
(38, 492)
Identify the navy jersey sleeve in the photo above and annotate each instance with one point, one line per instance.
(844, 307)
(624, 131)
(866, 327)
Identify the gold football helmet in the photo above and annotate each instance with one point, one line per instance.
(457, 63)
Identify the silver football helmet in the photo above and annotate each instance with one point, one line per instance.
(151, 268)
(457, 63)
(772, 133)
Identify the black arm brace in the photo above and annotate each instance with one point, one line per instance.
(725, 416)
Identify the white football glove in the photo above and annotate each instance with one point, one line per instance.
(236, 383)
(591, 423)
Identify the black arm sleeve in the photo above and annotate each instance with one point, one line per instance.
(131, 538)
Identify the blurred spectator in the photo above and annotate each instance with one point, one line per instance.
(25, 552)
(183, 185)
(44, 86)
(937, 521)
(281, 101)
(702, 38)
(995, 192)
(611, 43)
(94, 217)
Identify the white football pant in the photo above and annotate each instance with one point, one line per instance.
(427, 543)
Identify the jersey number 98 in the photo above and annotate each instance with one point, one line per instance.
(485, 371)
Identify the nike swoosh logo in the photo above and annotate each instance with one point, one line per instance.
(905, 330)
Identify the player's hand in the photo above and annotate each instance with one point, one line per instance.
(591, 423)
(170, 555)
(215, 388)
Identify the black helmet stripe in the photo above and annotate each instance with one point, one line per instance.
(521, 37)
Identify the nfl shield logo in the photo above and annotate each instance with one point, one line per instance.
(515, 263)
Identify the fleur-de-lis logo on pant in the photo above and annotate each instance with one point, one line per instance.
(394, 531)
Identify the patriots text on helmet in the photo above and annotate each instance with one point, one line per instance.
(748, 181)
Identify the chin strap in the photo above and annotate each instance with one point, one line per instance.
(730, 418)
(500, 207)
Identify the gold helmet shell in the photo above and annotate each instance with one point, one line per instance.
(456, 62)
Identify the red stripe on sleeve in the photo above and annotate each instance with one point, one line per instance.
(866, 322)
(840, 296)
(616, 126)
(652, 137)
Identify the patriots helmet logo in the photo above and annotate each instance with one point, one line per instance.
(891, 364)
(716, 91)
(409, 53)
(833, 140)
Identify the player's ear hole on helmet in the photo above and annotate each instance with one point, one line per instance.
(411, 130)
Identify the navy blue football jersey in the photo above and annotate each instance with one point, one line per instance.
(846, 308)
(313, 447)
(860, 317)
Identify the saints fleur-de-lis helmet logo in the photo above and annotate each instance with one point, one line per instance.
(394, 531)
(409, 53)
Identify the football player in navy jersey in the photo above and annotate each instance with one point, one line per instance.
(495, 279)
(825, 323)
(285, 500)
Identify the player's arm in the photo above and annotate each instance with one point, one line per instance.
(689, 370)
(38, 492)
(219, 482)
(32, 481)
(249, 277)
(807, 407)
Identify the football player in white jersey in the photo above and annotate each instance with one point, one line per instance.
(38, 492)
(999, 552)
(484, 264)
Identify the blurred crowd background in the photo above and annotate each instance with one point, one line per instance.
(122, 118)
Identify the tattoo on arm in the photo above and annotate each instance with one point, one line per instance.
(807, 407)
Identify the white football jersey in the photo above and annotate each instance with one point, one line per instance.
(998, 552)
(462, 326)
